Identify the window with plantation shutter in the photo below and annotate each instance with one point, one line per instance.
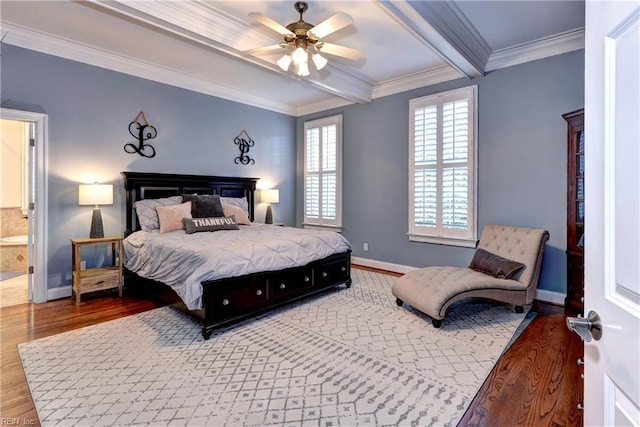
(323, 173)
(442, 168)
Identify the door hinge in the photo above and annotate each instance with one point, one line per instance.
(32, 206)
(31, 269)
(32, 142)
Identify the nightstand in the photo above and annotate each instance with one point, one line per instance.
(96, 279)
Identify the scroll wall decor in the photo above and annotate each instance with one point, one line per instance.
(142, 131)
(244, 143)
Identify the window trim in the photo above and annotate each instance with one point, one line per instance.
(334, 225)
(418, 234)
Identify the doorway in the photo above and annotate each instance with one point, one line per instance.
(23, 207)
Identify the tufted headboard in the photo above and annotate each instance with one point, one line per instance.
(521, 244)
(149, 185)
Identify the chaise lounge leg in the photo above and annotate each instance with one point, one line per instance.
(519, 309)
(436, 323)
(399, 302)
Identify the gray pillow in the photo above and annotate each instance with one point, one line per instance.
(240, 202)
(494, 265)
(147, 214)
(196, 225)
(204, 206)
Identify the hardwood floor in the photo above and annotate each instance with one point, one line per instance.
(536, 382)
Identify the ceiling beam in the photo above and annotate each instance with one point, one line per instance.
(209, 25)
(442, 26)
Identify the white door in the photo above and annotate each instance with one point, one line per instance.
(612, 215)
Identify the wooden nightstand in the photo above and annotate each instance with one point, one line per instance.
(96, 279)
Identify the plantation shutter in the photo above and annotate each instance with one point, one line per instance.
(323, 172)
(442, 172)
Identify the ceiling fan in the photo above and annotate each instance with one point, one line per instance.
(305, 39)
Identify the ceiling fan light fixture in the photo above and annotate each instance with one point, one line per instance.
(302, 69)
(299, 56)
(319, 60)
(284, 62)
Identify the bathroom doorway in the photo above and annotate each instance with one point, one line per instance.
(23, 207)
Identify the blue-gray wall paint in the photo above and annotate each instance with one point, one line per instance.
(89, 110)
(521, 163)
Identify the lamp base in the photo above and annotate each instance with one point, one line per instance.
(268, 219)
(97, 231)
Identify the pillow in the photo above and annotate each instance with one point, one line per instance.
(204, 206)
(488, 263)
(240, 202)
(171, 216)
(146, 211)
(196, 225)
(237, 212)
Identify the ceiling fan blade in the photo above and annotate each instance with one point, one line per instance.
(264, 49)
(330, 25)
(265, 20)
(337, 50)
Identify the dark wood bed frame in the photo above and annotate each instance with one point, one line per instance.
(230, 300)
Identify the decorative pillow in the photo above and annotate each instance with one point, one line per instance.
(146, 211)
(240, 202)
(204, 206)
(196, 225)
(237, 212)
(171, 216)
(489, 263)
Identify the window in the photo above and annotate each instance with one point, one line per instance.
(442, 168)
(323, 172)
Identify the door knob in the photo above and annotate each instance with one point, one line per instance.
(587, 328)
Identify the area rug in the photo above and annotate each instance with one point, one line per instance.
(351, 357)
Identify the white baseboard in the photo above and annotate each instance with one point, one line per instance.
(59, 293)
(372, 263)
(552, 297)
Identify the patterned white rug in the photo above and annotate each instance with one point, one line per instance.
(347, 358)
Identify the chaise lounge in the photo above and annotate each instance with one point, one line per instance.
(505, 268)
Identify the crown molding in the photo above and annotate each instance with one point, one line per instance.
(67, 49)
(414, 81)
(556, 44)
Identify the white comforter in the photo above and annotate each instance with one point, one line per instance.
(183, 261)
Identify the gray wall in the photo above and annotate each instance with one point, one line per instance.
(89, 111)
(521, 164)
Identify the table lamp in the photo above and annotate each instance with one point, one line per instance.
(95, 194)
(270, 196)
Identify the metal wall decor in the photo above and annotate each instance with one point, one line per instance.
(244, 143)
(142, 131)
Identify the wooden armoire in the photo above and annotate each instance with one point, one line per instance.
(575, 212)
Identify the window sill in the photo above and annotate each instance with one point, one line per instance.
(450, 241)
(336, 228)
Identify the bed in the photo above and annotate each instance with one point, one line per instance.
(229, 281)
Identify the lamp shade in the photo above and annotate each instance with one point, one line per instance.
(270, 196)
(95, 194)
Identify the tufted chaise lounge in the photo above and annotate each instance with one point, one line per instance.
(433, 289)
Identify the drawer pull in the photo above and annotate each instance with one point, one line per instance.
(259, 292)
(343, 268)
(306, 278)
(580, 362)
(282, 286)
(324, 274)
(225, 302)
(100, 282)
(580, 407)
